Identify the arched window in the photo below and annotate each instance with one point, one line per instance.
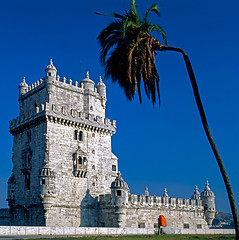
(81, 136)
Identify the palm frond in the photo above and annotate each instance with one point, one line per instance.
(157, 28)
(154, 8)
(116, 15)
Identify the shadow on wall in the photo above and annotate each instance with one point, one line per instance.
(89, 211)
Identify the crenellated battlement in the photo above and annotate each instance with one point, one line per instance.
(177, 203)
(65, 116)
(63, 83)
(137, 201)
(34, 86)
(32, 114)
(25, 90)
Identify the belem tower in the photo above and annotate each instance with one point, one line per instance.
(65, 174)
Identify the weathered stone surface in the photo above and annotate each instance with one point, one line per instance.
(57, 230)
(5, 230)
(44, 230)
(16, 230)
(32, 231)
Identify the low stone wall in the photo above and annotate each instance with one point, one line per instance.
(26, 231)
(198, 231)
(23, 230)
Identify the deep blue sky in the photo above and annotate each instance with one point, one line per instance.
(156, 148)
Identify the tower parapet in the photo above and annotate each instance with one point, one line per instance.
(162, 203)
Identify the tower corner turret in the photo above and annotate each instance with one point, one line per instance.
(87, 83)
(51, 72)
(119, 191)
(196, 194)
(101, 89)
(208, 200)
(22, 87)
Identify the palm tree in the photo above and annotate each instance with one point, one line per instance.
(128, 51)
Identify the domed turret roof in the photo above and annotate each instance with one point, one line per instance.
(207, 191)
(100, 83)
(87, 79)
(51, 66)
(119, 182)
(196, 194)
(23, 83)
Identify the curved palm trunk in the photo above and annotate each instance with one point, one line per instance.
(207, 131)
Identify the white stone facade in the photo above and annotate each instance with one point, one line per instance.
(65, 174)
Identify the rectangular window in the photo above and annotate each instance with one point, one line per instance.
(118, 192)
(43, 181)
(114, 168)
(185, 225)
(141, 225)
(199, 226)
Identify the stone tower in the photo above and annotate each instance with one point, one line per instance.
(62, 158)
(119, 200)
(208, 200)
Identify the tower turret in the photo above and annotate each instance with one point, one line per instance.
(22, 87)
(208, 200)
(119, 198)
(101, 89)
(119, 191)
(51, 72)
(196, 194)
(87, 83)
(165, 193)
